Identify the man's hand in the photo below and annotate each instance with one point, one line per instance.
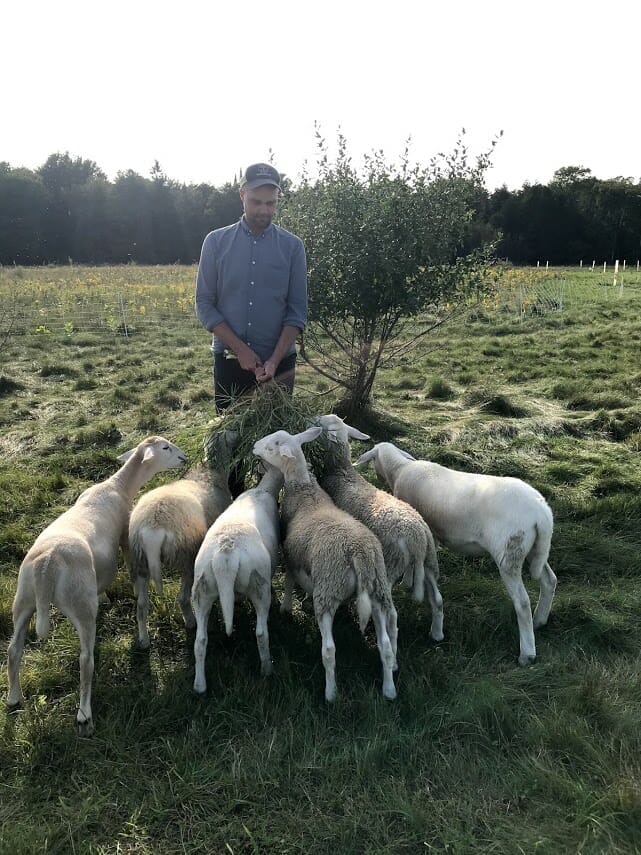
(266, 371)
(249, 361)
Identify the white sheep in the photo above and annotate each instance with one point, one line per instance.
(331, 555)
(75, 559)
(408, 546)
(475, 514)
(168, 525)
(238, 558)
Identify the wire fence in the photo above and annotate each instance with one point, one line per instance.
(527, 294)
(144, 304)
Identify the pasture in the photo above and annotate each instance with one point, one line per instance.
(476, 754)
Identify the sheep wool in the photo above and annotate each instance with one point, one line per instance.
(408, 546)
(167, 527)
(477, 514)
(237, 558)
(331, 555)
(75, 559)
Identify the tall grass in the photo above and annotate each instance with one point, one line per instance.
(476, 754)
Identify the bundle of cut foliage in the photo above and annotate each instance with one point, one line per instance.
(269, 408)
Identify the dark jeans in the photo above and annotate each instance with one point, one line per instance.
(231, 381)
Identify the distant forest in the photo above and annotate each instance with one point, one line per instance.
(67, 210)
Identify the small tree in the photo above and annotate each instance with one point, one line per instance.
(382, 248)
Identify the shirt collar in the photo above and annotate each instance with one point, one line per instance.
(248, 231)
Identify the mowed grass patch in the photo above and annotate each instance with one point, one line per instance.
(476, 754)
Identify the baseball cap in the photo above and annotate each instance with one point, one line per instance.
(259, 174)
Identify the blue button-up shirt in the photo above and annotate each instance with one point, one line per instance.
(256, 284)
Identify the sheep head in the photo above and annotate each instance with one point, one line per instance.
(281, 448)
(157, 451)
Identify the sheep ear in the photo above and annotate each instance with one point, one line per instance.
(309, 435)
(124, 457)
(148, 455)
(406, 455)
(355, 433)
(365, 458)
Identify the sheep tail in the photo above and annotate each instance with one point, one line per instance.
(44, 584)
(226, 569)
(537, 559)
(364, 609)
(363, 602)
(146, 555)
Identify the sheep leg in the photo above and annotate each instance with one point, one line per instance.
(203, 598)
(385, 649)
(141, 590)
(436, 605)
(22, 613)
(328, 652)
(511, 576)
(392, 631)
(546, 595)
(83, 613)
(184, 599)
(261, 604)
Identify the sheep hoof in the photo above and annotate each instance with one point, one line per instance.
(390, 693)
(437, 636)
(14, 706)
(200, 688)
(538, 623)
(190, 621)
(526, 659)
(267, 669)
(143, 643)
(86, 728)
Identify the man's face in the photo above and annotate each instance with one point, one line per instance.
(259, 205)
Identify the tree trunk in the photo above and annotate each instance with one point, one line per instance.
(358, 398)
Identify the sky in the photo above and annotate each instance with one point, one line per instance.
(206, 88)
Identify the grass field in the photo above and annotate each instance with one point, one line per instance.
(476, 755)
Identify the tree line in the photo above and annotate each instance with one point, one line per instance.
(67, 209)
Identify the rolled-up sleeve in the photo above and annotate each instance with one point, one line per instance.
(207, 285)
(296, 310)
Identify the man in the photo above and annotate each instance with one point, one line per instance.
(251, 292)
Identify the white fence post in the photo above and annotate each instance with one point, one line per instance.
(125, 328)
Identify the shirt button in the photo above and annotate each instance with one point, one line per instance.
(250, 303)
(249, 324)
(251, 283)
(253, 262)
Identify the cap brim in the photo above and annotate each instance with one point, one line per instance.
(259, 182)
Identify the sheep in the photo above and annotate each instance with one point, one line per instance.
(475, 514)
(332, 556)
(238, 557)
(408, 546)
(75, 559)
(168, 525)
